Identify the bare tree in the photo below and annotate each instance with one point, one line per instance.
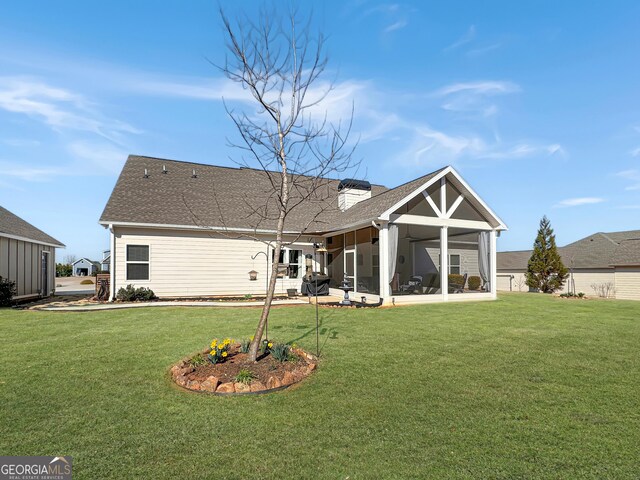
(69, 259)
(279, 63)
(520, 282)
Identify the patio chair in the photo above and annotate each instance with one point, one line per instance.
(414, 283)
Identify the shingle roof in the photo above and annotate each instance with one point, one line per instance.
(370, 209)
(600, 250)
(514, 260)
(229, 197)
(628, 253)
(11, 224)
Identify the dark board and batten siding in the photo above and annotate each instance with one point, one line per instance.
(21, 262)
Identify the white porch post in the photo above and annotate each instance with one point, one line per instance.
(112, 264)
(444, 262)
(383, 252)
(493, 257)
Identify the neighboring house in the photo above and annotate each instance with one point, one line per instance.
(84, 267)
(27, 256)
(191, 230)
(602, 263)
(106, 260)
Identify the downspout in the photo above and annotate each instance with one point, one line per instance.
(112, 264)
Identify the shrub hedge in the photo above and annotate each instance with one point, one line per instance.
(474, 282)
(133, 294)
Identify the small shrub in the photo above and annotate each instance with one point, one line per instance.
(245, 376)
(86, 282)
(133, 294)
(456, 279)
(248, 296)
(244, 345)
(581, 294)
(474, 282)
(280, 351)
(198, 360)
(219, 350)
(7, 291)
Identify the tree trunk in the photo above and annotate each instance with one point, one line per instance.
(284, 199)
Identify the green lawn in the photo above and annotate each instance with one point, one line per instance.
(528, 386)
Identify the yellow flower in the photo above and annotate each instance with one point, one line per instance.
(224, 354)
(269, 344)
(251, 338)
(220, 347)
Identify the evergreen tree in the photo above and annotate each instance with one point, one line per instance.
(545, 270)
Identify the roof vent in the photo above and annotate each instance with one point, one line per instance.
(164, 169)
(146, 173)
(194, 175)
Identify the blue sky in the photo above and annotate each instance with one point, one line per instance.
(538, 105)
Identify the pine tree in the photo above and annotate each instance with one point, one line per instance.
(545, 270)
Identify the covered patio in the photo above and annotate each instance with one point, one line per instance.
(436, 243)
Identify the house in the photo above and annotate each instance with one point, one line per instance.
(106, 260)
(605, 264)
(192, 230)
(27, 256)
(84, 267)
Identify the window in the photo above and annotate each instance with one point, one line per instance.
(295, 263)
(290, 264)
(454, 263)
(137, 262)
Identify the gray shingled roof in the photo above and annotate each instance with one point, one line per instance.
(600, 250)
(229, 197)
(371, 209)
(628, 253)
(11, 224)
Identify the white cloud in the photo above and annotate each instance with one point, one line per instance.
(635, 152)
(472, 98)
(20, 142)
(395, 16)
(633, 175)
(58, 108)
(28, 173)
(97, 156)
(400, 24)
(486, 87)
(576, 202)
(476, 52)
(469, 35)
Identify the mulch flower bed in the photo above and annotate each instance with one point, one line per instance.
(222, 377)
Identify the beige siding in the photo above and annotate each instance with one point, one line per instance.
(585, 278)
(627, 283)
(21, 263)
(511, 280)
(194, 264)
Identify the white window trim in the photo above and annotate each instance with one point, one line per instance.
(285, 261)
(127, 262)
(459, 265)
